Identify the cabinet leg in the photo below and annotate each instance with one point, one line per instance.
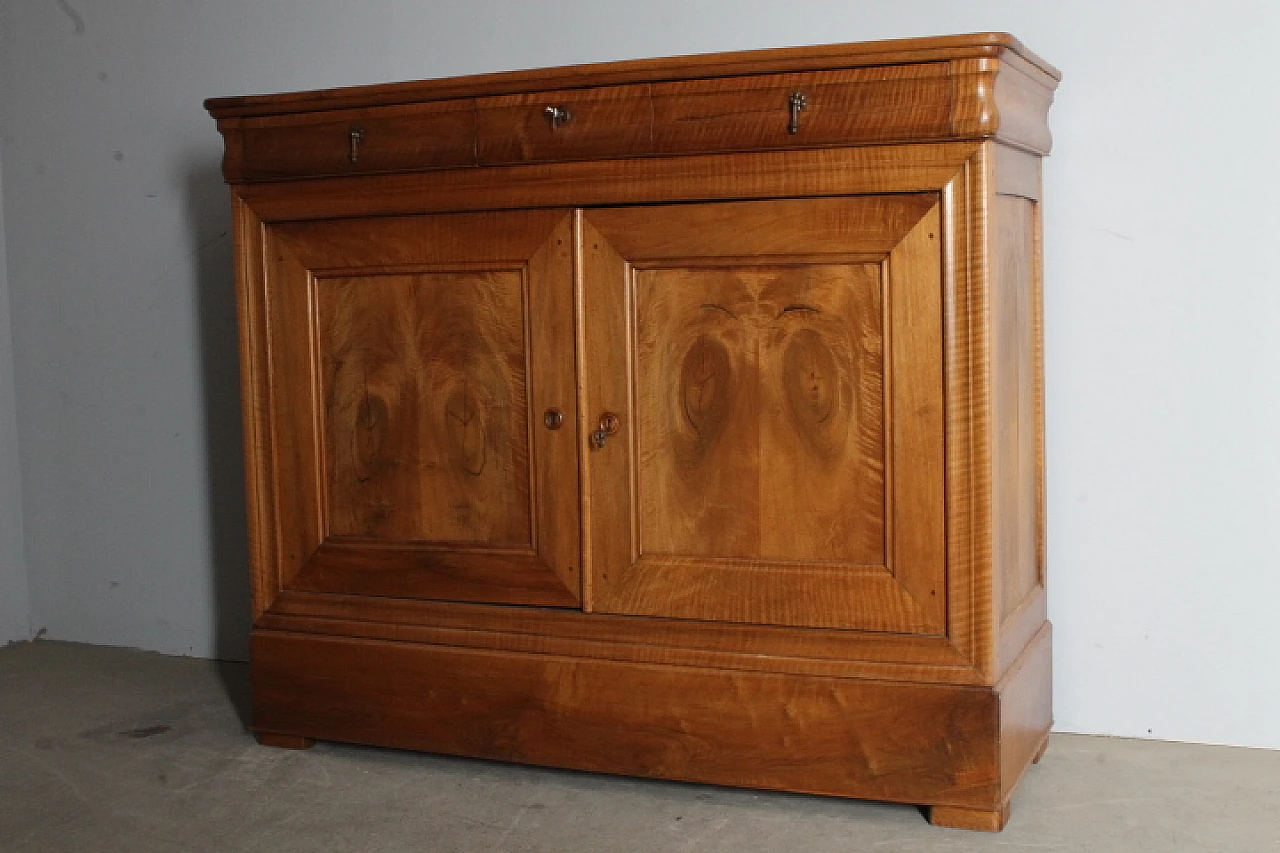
(284, 741)
(983, 820)
(1040, 752)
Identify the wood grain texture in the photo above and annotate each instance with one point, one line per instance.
(966, 341)
(916, 414)
(911, 743)
(1001, 99)
(816, 58)
(1018, 629)
(1014, 403)
(1026, 709)
(759, 413)
(420, 136)
(811, 557)
(295, 440)
(257, 416)
(605, 385)
(752, 398)
(605, 122)
(425, 406)
(444, 571)
(924, 167)
(855, 106)
(960, 587)
(552, 370)
(902, 657)
(1023, 102)
(944, 90)
(854, 225)
(404, 453)
(981, 820)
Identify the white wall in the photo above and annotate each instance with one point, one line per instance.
(15, 604)
(1162, 308)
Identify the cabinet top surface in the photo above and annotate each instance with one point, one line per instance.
(821, 57)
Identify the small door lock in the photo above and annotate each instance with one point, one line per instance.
(609, 425)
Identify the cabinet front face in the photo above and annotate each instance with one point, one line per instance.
(775, 368)
(417, 366)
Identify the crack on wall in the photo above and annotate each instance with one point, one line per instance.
(76, 18)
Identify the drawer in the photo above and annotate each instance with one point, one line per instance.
(611, 121)
(387, 139)
(859, 105)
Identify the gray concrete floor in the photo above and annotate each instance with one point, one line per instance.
(114, 750)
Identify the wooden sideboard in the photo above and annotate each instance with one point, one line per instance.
(678, 418)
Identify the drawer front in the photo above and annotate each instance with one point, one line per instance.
(613, 121)
(359, 142)
(886, 104)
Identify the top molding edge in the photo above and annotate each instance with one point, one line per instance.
(699, 66)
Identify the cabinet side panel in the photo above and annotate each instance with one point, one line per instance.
(254, 395)
(1016, 474)
(914, 743)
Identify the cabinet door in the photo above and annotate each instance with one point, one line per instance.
(412, 364)
(776, 371)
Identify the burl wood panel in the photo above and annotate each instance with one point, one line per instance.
(759, 413)
(410, 361)
(914, 743)
(742, 346)
(424, 406)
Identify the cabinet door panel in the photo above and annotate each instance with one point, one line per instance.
(758, 411)
(423, 393)
(411, 359)
(755, 353)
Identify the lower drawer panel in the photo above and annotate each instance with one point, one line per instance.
(917, 743)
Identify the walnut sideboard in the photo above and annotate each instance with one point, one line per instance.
(678, 418)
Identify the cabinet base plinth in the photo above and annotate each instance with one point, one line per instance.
(280, 741)
(983, 820)
(907, 742)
